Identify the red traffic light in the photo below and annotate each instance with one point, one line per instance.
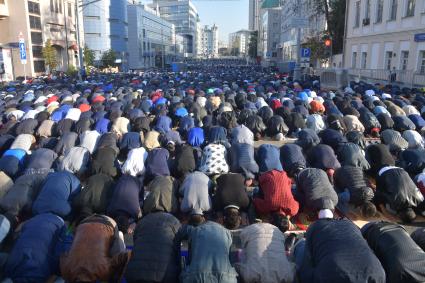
(328, 42)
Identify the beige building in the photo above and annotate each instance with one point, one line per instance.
(384, 36)
(239, 43)
(39, 21)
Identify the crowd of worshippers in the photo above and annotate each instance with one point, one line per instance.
(170, 160)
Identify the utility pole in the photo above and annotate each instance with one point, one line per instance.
(66, 33)
(80, 51)
(297, 70)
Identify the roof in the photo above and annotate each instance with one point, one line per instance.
(268, 4)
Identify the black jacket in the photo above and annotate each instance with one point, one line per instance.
(154, 257)
(335, 251)
(400, 256)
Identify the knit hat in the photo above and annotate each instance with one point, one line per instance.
(84, 107)
(316, 107)
(326, 213)
(98, 98)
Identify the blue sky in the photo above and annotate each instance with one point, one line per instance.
(228, 15)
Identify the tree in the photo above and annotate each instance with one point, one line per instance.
(334, 12)
(253, 43)
(108, 58)
(50, 56)
(89, 56)
(317, 46)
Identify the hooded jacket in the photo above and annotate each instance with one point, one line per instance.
(214, 159)
(95, 196)
(208, 253)
(243, 161)
(350, 154)
(277, 197)
(75, 160)
(378, 156)
(56, 194)
(231, 192)
(90, 257)
(125, 198)
(135, 162)
(65, 143)
(154, 257)
(162, 195)
(401, 258)
(323, 157)
(195, 191)
(89, 140)
(268, 158)
(104, 161)
(34, 258)
(314, 191)
(328, 257)
(262, 256)
(395, 188)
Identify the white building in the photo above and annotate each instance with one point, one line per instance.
(386, 35)
(254, 14)
(209, 42)
(38, 21)
(239, 43)
(152, 42)
(293, 9)
(269, 35)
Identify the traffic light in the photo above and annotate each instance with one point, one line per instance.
(75, 54)
(328, 47)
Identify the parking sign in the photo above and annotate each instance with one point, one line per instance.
(22, 51)
(305, 52)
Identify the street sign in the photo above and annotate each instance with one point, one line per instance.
(22, 51)
(305, 52)
(299, 23)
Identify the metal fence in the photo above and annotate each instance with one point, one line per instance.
(402, 78)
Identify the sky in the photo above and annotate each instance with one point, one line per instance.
(228, 15)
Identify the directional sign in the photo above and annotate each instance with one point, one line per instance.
(22, 51)
(305, 52)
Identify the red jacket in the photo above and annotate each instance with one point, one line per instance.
(276, 187)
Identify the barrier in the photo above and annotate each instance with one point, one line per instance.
(333, 79)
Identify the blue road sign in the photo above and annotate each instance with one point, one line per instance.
(22, 51)
(305, 52)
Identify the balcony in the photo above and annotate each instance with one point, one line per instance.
(4, 10)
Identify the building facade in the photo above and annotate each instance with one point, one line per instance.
(184, 16)
(254, 14)
(209, 42)
(38, 21)
(239, 43)
(269, 35)
(387, 36)
(106, 27)
(151, 40)
(315, 25)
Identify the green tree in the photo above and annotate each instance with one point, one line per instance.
(108, 58)
(88, 56)
(317, 46)
(253, 43)
(50, 56)
(334, 12)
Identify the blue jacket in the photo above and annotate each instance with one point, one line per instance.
(125, 197)
(208, 254)
(56, 194)
(102, 126)
(34, 257)
(268, 158)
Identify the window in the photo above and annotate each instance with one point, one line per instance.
(404, 60)
(35, 22)
(60, 6)
(393, 10)
(388, 59)
(367, 10)
(364, 60)
(379, 10)
(37, 51)
(36, 38)
(52, 7)
(56, 6)
(354, 60)
(39, 67)
(33, 8)
(410, 8)
(69, 10)
(421, 60)
(357, 18)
